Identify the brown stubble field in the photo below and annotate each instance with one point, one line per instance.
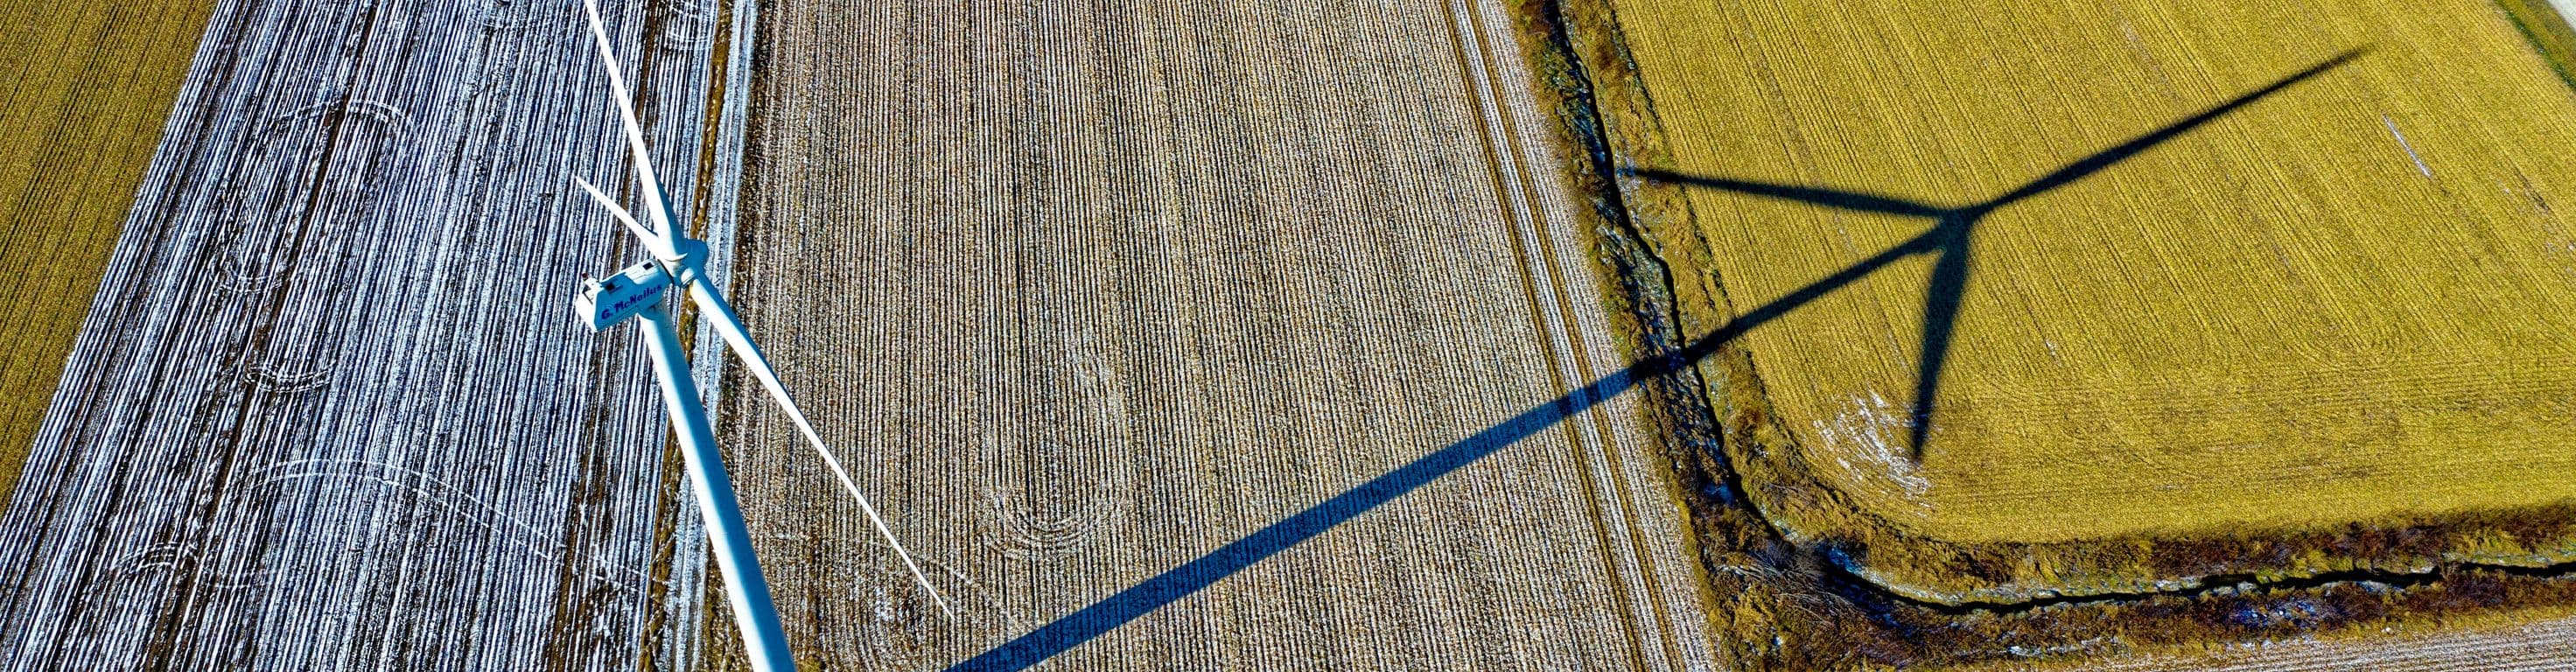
(1095, 288)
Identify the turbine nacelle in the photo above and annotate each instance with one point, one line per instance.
(637, 291)
(604, 302)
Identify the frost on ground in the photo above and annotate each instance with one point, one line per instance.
(1865, 439)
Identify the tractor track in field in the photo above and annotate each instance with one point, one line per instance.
(1179, 278)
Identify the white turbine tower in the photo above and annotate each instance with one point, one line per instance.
(638, 291)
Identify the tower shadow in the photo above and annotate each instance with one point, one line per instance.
(1951, 231)
(1948, 238)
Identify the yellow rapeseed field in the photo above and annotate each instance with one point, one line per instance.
(88, 84)
(2350, 302)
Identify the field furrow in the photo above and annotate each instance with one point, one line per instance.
(333, 409)
(1096, 289)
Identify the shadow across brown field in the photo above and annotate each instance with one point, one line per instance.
(1948, 238)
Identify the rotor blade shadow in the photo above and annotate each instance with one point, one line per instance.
(1090, 622)
(1949, 279)
(2094, 163)
(1831, 198)
(1951, 232)
(1940, 318)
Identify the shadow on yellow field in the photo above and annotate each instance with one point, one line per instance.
(1948, 241)
(2344, 309)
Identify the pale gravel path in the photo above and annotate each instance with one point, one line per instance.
(1096, 287)
(2548, 645)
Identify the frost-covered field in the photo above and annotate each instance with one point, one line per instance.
(333, 410)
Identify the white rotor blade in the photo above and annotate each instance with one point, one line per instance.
(712, 305)
(725, 322)
(654, 204)
(660, 247)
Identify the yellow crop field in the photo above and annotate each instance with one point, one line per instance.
(2163, 272)
(89, 85)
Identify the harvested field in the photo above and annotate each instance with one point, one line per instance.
(333, 409)
(2324, 328)
(2535, 647)
(2539, 645)
(89, 86)
(1104, 287)
(1281, 336)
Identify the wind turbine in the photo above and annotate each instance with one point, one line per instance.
(638, 291)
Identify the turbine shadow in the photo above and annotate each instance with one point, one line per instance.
(1948, 237)
(1953, 227)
